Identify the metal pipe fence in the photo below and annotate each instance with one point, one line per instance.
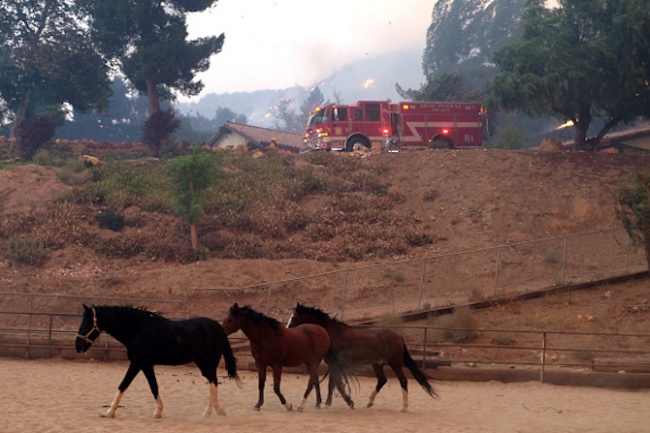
(435, 281)
(430, 346)
(356, 293)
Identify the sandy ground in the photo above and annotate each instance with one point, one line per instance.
(65, 396)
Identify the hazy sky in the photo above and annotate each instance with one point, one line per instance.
(273, 44)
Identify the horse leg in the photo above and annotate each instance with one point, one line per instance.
(214, 401)
(330, 387)
(346, 397)
(261, 380)
(128, 378)
(381, 381)
(277, 375)
(313, 382)
(399, 373)
(210, 373)
(153, 385)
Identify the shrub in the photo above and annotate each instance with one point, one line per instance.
(458, 327)
(32, 134)
(417, 239)
(390, 320)
(110, 219)
(27, 251)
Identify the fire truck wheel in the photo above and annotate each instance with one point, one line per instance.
(356, 144)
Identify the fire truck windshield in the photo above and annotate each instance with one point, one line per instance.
(318, 116)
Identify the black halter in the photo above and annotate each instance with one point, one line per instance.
(86, 337)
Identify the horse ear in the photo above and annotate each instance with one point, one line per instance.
(85, 307)
(235, 306)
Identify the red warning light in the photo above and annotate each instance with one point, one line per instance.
(445, 131)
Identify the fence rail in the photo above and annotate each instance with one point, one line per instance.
(42, 324)
(527, 349)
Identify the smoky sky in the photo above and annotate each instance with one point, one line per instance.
(274, 44)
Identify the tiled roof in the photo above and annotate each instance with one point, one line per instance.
(260, 136)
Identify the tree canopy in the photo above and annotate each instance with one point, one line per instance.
(147, 39)
(586, 59)
(47, 59)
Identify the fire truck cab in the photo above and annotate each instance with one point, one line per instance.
(394, 126)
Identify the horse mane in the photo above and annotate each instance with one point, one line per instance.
(256, 316)
(320, 314)
(131, 311)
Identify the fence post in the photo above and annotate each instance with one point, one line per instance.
(268, 300)
(49, 336)
(564, 257)
(543, 362)
(29, 325)
(496, 271)
(627, 253)
(345, 290)
(185, 304)
(424, 263)
(424, 349)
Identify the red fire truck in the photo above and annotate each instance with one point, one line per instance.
(395, 125)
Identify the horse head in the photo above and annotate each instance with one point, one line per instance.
(232, 322)
(88, 330)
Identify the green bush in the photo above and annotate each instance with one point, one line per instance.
(27, 251)
(458, 327)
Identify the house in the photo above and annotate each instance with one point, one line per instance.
(232, 135)
(635, 140)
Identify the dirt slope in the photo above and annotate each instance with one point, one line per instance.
(468, 199)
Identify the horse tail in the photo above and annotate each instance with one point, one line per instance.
(341, 370)
(418, 374)
(229, 358)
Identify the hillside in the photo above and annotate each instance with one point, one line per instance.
(462, 199)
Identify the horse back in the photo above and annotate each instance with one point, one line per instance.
(304, 342)
(366, 346)
(174, 342)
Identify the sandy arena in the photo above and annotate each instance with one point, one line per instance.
(71, 396)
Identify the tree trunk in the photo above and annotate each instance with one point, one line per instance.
(20, 113)
(152, 95)
(581, 125)
(195, 237)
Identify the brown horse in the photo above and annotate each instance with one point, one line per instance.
(361, 346)
(276, 346)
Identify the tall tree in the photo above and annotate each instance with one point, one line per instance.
(586, 59)
(148, 41)
(47, 59)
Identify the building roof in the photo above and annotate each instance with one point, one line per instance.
(636, 139)
(261, 137)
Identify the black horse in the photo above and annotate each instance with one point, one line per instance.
(151, 339)
(361, 346)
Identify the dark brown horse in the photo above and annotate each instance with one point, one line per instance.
(274, 345)
(354, 346)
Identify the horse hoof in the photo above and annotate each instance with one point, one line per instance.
(257, 408)
(369, 405)
(289, 407)
(300, 409)
(222, 412)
